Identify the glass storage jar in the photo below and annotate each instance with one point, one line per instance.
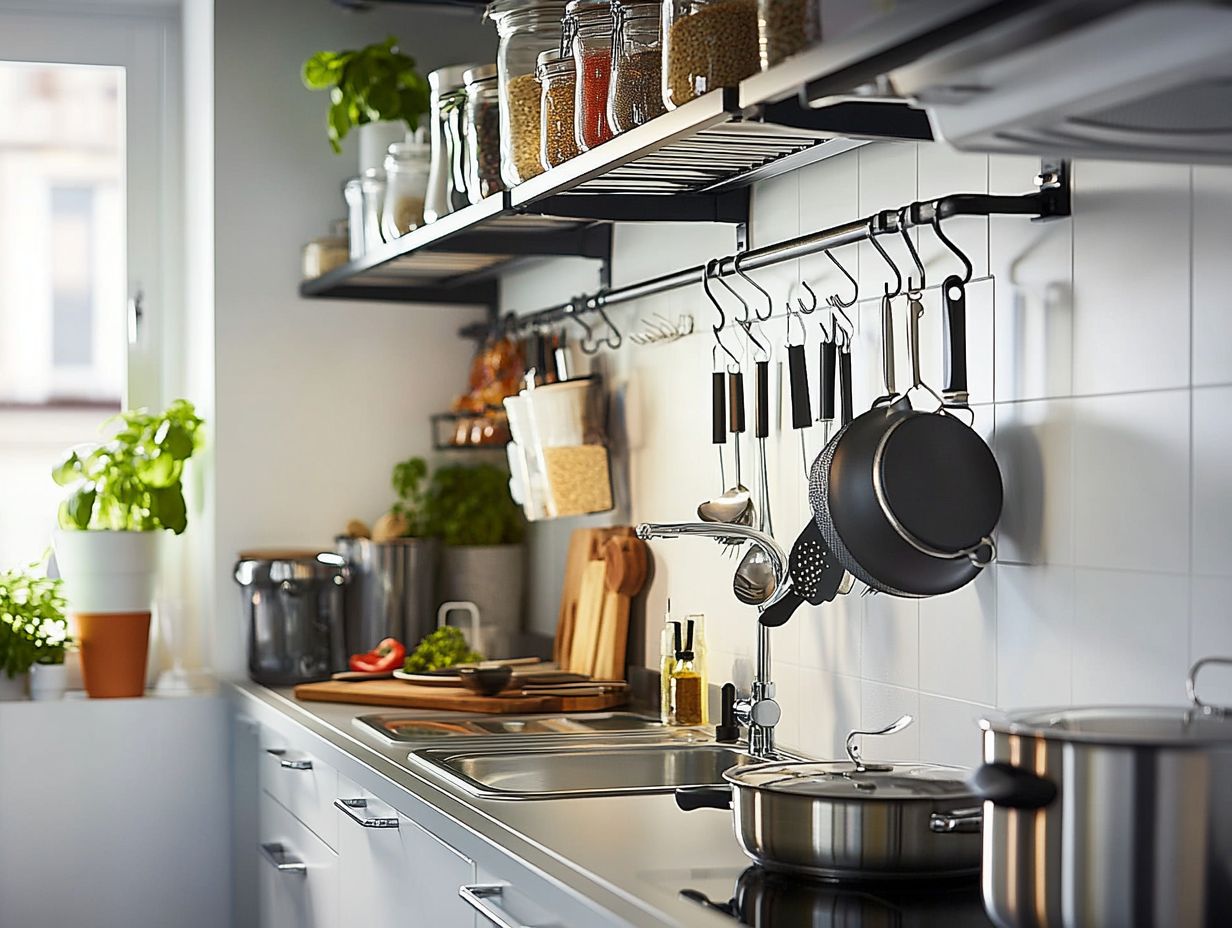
(558, 78)
(453, 111)
(707, 44)
(526, 28)
(589, 27)
(445, 84)
(483, 176)
(785, 27)
(407, 167)
(635, 92)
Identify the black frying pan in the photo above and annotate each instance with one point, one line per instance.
(907, 500)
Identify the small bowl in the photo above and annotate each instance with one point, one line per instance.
(486, 681)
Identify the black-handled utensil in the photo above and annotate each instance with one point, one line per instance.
(954, 296)
(815, 576)
(797, 368)
(718, 408)
(829, 353)
(761, 424)
(844, 378)
(735, 402)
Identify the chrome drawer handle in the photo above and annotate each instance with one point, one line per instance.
(479, 896)
(289, 763)
(283, 860)
(354, 808)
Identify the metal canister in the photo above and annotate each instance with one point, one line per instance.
(393, 590)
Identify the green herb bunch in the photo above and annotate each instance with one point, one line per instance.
(371, 84)
(443, 648)
(410, 482)
(33, 629)
(134, 481)
(461, 504)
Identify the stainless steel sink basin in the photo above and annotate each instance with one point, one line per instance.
(596, 769)
(399, 728)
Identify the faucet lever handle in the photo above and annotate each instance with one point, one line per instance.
(727, 731)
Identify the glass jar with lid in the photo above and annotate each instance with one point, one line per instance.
(635, 92)
(786, 27)
(589, 27)
(526, 28)
(446, 84)
(407, 167)
(707, 44)
(558, 78)
(483, 176)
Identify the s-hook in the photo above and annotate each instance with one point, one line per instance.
(834, 300)
(912, 291)
(747, 321)
(756, 286)
(808, 311)
(711, 267)
(954, 249)
(898, 275)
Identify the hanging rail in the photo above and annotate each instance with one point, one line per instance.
(1050, 201)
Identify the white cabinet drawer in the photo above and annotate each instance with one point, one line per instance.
(297, 882)
(301, 782)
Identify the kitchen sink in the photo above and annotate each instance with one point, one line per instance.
(399, 728)
(594, 769)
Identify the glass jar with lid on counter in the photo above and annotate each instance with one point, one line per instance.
(707, 44)
(635, 92)
(407, 169)
(558, 78)
(589, 27)
(446, 192)
(483, 175)
(526, 28)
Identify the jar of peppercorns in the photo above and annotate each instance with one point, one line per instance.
(526, 28)
(707, 44)
(483, 140)
(558, 78)
(589, 26)
(635, 92)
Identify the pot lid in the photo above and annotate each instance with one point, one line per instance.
(1144, 726)
(841, 779)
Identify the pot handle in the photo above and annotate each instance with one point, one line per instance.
(690, 798)
(1012, 787)
(956, 821)
(696, 895)
(1191, 686)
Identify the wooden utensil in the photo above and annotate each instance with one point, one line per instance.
(580, 543)
(627, 564)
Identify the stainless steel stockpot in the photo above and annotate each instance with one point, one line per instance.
(1108, 817)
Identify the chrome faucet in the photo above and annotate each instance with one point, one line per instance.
(757, 711)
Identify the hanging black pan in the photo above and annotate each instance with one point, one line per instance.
(907, 500)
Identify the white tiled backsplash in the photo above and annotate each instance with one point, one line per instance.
(1100, 354)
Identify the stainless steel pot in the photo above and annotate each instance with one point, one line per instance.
(1109, 817)
(392, 593)
(850, 819)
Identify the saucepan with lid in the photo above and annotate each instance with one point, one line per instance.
(851, 819)
(1109, 816)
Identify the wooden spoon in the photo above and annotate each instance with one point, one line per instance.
(627, 564)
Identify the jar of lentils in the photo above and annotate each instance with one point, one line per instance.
(483, 139)
(635, 92)
(786, 27)
(558, 78)
(588, 27)
(526, 28)
(707, 44)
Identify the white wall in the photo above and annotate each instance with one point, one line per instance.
(1101, 370)
(314, 400)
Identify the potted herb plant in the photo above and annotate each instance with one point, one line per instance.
(375, 89)
(123, 493)
(33, 634)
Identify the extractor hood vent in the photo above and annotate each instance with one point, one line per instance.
(1145, 81)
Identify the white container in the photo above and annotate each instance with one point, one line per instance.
(570, 447)
(559, 412)
(107, 571)
(48, 682)
(526, 481)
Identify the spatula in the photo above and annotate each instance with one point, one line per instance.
(815, 576)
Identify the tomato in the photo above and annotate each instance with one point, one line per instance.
(386, 656)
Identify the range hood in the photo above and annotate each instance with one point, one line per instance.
(1139, 81)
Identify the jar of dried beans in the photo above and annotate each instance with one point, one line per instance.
(635, 93)
(483, 174)
(707, 44)
(588, 26)
(558, 78)
(526, 28)
(786, 27)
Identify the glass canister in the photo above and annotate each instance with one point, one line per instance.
(589, 27)
(407, 169)
(635, 92)
(483, 175)
(558, 79)
(707, 44)
(570, 446)
(786, 27)
(440, 197)
(526, 28)
(453, 121)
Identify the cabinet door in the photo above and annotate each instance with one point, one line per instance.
(297, 883)
(397, 874)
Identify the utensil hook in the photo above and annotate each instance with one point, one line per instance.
(756, 286)
(813, 296)
(792, 314)
(843, 323)
(948, 243)
(898, 275)
(711, 265)
(747, 315)
(613, 339)
(834, 300)
(853, 749)
(912, 291)
(588, 343)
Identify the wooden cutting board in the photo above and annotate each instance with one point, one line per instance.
(585, 545)
(400, 695)
(589, 614)
(626, 563)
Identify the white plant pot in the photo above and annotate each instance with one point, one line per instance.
(107, 571)
(12, 688)
(48, 682)
(374, 141)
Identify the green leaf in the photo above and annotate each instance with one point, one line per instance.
(168, 508)
(339, 125)
(68, 471)
(383, 102)
(174, 440)
(80, 507)
(321, 71)
(160, 471)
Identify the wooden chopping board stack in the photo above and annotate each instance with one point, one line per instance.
(605, 568)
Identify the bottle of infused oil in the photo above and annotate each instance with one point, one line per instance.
(668, 639)
(701, 661)
(687, 692)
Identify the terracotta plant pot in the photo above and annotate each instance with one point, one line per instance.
(109, 583)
